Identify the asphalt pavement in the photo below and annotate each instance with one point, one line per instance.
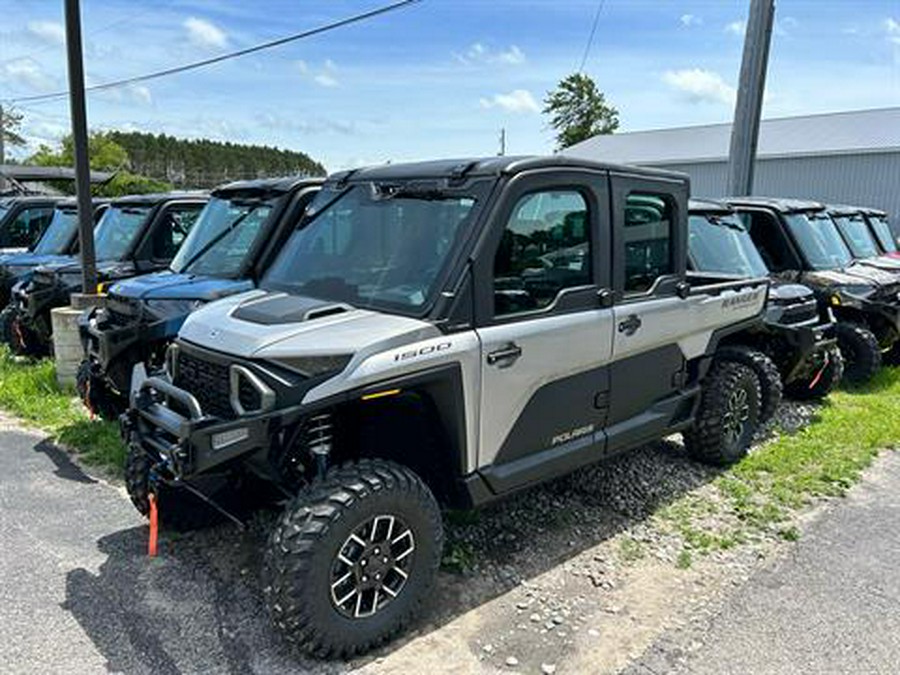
(79, 595)
(831, 606)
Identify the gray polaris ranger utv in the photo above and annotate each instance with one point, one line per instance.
(439, 333)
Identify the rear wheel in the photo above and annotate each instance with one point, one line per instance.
(770, 385)
(728, 415)
(826, 376)
(859, 347)
(353, 558)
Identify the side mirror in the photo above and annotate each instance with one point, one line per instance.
(605, 296)
(683, 290)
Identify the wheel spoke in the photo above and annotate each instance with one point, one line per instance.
(400, 572)
(341, 580)
(344, 559)
(358, 609)
(349, 595)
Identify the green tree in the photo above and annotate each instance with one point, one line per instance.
(578, 110)
(105, 154)
(10, 124)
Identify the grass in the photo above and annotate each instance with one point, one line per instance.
(762, 493)
(29, 391)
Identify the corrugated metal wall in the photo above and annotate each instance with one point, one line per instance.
(863, 180)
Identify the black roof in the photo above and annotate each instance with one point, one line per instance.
(31, 199)
(159, 197)
(277, 184)
(847, 210)
(489, 166)
(785, 205)
(708, 205)
(72, 202)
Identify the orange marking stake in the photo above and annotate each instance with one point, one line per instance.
(154, 527)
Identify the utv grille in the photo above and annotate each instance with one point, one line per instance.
(250, 398)
(208, 382)
(800, 313)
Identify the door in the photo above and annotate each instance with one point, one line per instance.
(545, 337)
(651, 318)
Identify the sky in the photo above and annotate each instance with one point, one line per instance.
(439, 78)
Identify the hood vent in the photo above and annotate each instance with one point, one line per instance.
(282, 308)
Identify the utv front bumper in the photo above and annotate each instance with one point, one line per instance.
(803, 341)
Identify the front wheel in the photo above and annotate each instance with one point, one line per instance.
(353, 558)
(96, 394)
(824, 376)
(728, 415)
(859, 347)
(770, 385)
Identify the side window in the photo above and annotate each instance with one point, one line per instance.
(26, 229)
(544, 249)
(171, 232)
(769, 239)
(648, 240)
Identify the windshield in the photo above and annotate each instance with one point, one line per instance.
(375, 245)
(57, 238)
(819, 239)
(720, 243)
(225, 232)
(883, 233)
(117, 229)
(856, 234)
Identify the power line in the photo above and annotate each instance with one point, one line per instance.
(590, 42)
(224, 57)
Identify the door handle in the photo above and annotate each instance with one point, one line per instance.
(506, 354)
(630, 325)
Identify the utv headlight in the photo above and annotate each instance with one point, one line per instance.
(311, 366)
(845, 295)
(170, 308)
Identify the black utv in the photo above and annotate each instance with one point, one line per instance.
(241, 228)
(799, 242)
(794, 349)
(860, 239)
(23, 220)
(57, 243)
(136, 235)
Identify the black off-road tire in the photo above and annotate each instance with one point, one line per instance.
(6, 329)
(715, 438)
(830, 378)
(178, 509)
(859, 347)
(302, 557)
(96, 394)
(770, 384)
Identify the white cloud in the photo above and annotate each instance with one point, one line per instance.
(325, 80)
(324, 76)
(736, 28)
(700, 86)
(205, 34)
(52, 32)
(480, 54)
(140, 94)
(516, 101)
(688, 20)
(28, 73)
(892, 28)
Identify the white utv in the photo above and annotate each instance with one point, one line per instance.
(440, 333)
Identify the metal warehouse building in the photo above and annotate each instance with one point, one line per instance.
(844, 158)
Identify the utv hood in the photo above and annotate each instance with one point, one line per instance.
(107, 270)
(882, 262)
(268, 325)
(787, 293)
(855, 274)
(172, 286)
(21, 263)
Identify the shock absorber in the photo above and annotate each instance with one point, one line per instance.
(319, 437)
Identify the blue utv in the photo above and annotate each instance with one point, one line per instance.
(235, 237)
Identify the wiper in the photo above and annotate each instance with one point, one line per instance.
(219, 237)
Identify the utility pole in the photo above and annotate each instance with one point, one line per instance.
(502, 142)
(2, 149)
(80, 143)
(748, 107)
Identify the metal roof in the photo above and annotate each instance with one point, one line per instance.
(159, 197)
(861, 131)
(707, 205)
(25, 173)
(491, 166)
